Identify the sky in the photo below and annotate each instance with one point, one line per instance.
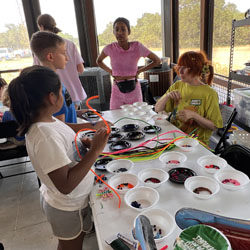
(106, 11)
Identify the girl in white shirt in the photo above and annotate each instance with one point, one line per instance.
(66, 180)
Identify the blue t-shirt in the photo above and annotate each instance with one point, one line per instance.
(7, 116)
(68, 108)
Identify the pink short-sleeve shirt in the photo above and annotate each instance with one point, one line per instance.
(124, 62)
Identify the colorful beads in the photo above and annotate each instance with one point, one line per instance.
(153, 180)
(232, 181)
(212, 166)
(202, 189)
(125, 185)
(157, 232)
(135, 204)
(173, 162)
(120, 170)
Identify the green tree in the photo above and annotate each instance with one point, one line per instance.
(189, 23)
(16, 37)
(148, 30)
(107, 35)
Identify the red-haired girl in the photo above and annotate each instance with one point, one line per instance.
(192, 101)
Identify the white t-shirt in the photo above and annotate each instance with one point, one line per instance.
(50, 146)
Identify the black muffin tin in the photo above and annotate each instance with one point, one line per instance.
(179, 175)
(119, 145)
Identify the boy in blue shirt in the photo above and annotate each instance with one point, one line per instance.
(50, 49)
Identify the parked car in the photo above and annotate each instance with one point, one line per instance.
(21, 53)
(6, 54)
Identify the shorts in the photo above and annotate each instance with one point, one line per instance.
(67, 225)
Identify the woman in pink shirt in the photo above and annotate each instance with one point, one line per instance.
(124, 56)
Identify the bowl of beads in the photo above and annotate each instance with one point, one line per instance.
(160, 118)
(186, 144)
(147, 108)
(153, 177)
(172, 159)
(211, 163)
(163, 223)
(141, 198)
(202, 187)
(119, 166)
(231, 179)
(123, 182)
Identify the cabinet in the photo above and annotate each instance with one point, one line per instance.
(233, 76)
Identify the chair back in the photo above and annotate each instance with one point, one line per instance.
(8, 129)
(228, 114)
(238, 156)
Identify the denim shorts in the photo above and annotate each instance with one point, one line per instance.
(67, 225)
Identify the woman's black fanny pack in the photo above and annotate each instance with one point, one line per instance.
(126, 86)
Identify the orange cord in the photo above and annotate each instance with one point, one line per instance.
(77, 149)
(87, 103)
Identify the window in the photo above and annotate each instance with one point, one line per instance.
(144, 17)
(14, 41)
(189, 25)
(224, 12)
(64, 14)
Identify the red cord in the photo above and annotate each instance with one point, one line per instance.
(87, 103)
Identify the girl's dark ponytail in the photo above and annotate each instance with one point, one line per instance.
(27, 94)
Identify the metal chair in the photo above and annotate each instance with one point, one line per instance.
(218, 140)
(238, 156)
(9, 129)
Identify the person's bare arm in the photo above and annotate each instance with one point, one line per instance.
(155, 62)
(80, 68)
(161, 103)
(101, 64)
(185, 115)
(78, 126)
(66, 179)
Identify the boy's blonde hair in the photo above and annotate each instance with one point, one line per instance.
(5, 97)
(44, 42)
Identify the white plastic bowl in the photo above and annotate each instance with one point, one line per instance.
(147, 108)
(126, 106)
(227, 174)
(157, 173)
(140, 104)
(122, 178)
(166, 159)
(130, 110)
(196, 182)
(186, 144)
(139, 113)
(162, 219)
(114, 166)
(160, 118)
(146, 196)
(206, 161)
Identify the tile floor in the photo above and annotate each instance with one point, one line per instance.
(22, 223)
